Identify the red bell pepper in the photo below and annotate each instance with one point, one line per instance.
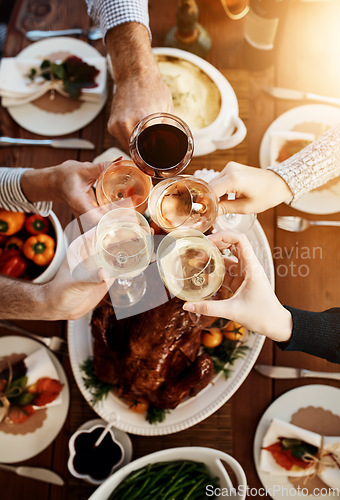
(36, 224)
(12, 264)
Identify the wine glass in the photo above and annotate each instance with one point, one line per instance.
(183, 201)
(161, 145)
(242, 223)
(124, 185)
(124, 245)
(210, 322)
(190, 265)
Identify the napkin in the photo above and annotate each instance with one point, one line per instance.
(16, 89)
(278, 428)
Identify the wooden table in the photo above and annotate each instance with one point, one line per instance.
(304, 61)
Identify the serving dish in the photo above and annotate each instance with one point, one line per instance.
(211, 457)
(227, 130)
(190, 411)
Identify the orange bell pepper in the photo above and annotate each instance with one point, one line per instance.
(40, 249)
(11, 222)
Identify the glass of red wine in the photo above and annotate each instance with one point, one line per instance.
(161, 145)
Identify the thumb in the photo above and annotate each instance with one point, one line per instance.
(238, 206)
(217, 308)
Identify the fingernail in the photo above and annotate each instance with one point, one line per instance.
(189, 307)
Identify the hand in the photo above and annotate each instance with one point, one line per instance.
(79, 284)
(256, 189)
(140, 88)
(254, 303)
(70, 182)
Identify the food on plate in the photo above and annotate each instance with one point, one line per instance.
(20, 400)
(177, 479)
(196, 98)
(154, 356)
(155, 360)
(73, 74)
(293, 454)
(291, 147)
(27, 244)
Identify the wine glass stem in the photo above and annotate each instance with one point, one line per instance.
(123, 282)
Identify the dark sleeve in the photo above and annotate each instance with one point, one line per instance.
(316, 333)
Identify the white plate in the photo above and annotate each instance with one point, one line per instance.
(326, 201)
(39, 121)
(16, 448)
(284, 407)
(194, 409)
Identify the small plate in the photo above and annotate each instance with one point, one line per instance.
(306, 119)
(42, 122)
(16, 448)
(284, 407)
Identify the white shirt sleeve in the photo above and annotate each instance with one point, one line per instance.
(12, 197)
(111, 13)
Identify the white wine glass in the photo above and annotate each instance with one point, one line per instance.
(124, 185)
(190, 265)
(242, 223)
(124, 245)
(161, 145)
(183, 201)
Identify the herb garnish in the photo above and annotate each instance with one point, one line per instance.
(226, 354)
(74, 73)
(98, 389)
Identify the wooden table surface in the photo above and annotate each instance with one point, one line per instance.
(308, 58)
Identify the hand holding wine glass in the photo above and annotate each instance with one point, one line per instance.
(254, 303)
(190, 265)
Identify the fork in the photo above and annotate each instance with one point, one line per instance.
(93, 33)
(296, 224)
(55, 344)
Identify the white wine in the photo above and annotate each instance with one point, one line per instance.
(192, 268)
(182, 202)
(123, 249)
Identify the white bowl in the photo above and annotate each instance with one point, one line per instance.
(60, 252)
(211, 457)
(227, 130)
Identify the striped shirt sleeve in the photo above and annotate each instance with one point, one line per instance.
(12, 197)
(111, 13)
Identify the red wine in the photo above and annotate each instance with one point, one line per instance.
(162, 146)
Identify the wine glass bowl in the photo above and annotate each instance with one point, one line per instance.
(124, 245)
(161, 145)
(183, 201)
(124, 185)
(190, 265)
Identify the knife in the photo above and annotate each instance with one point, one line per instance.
(54, 143)
(289, 372)
(281, 93)
(35, 473)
